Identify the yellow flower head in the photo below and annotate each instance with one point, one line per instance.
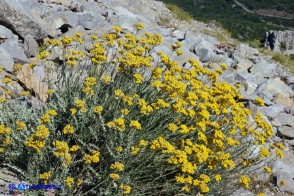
(45, 176)
(139, 26)
(69, 181)
(117, 166)
(73, 111)
(20, 125)
(68, 129)
(119, 149)
(93, 158)
(106, 79)
(114, 176)
(259, 101)
(217, 177)
(138, 78)
(245, 180)
(126, 189)
(135, 124)
(98, 109)
(74, 148)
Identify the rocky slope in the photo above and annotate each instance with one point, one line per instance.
(24, 24)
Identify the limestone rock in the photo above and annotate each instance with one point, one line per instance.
(286, 131)
(179, 35)
(271, 111)
(6, 59)
(22, 17)
(284, 100)
(280, 41)
(31, 81)
(284, 119)
(267, 69)
(15, 50)
(284, 169)
(246, 52)
(273, 86)
(242, 64)
(31, 47)
(204, 50)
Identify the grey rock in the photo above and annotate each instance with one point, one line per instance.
(204, 50)
(6, 33)
(245, 52)
(15, 50)
(241, 64)
(267, 69)
(91, 20)
(6, 59)
(284, 169)
(273, 86)
(286, 131)
(249, 81)
(242, 192)
(22, 17)
(40, 71)
(283, 41)
(283, 100)
(284, 119)
(60, 18)
(31, 47)
(179, 35)
(272, 111)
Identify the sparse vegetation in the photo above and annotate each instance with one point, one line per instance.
(284, 59)
(242, 25)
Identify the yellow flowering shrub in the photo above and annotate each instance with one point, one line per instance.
(130, 123)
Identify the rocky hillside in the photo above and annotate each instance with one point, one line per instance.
(25, 24)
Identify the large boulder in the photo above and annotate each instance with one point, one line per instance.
(273, 86)
(31, 47)
(204, 50)
(284, 170)
(6, 59)
(265, 68)
(15, 50)
(23, 17)
(245, 52)
(286, 132)
(242, 64)
(284, 119)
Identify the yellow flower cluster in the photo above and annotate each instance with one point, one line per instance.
(45, 176)
(94, 157)
(245, 180)
(125, 188)
(68, 129)
(62, 150)
(89, 82)
(114, 176)
(69, 181)
(81, 105)
(196, 124)
(98, 109)
(259, 101)
(38, 139)
(135, 124)
(119, 124)
(46, 117)
(117, 166)
(20, 125)
(4, 136)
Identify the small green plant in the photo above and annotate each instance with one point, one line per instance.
(179, 12)
(284, 59)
